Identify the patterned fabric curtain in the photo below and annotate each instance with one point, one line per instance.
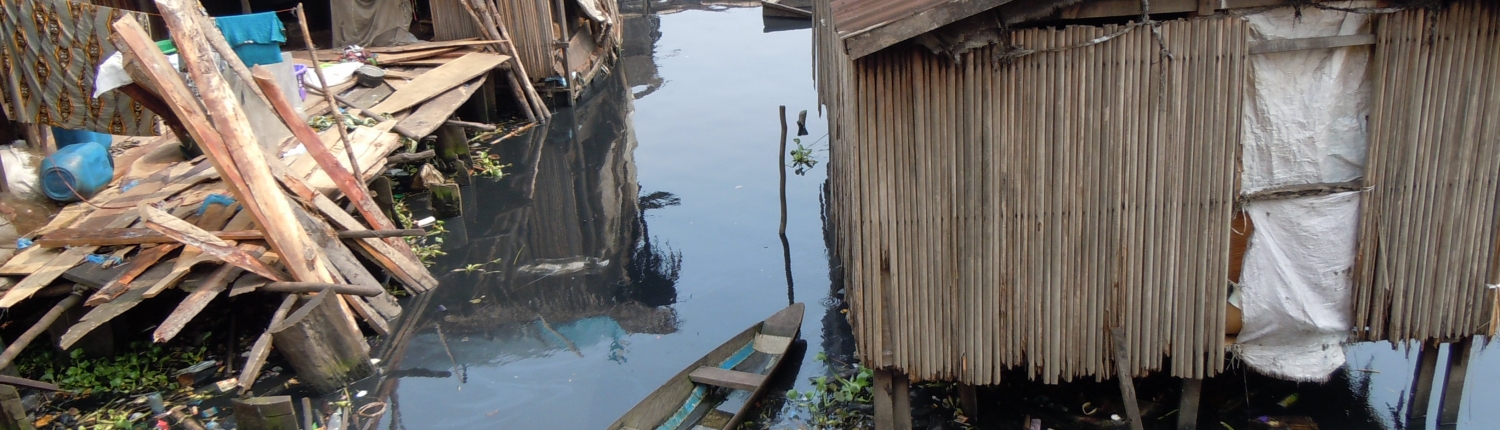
(50, 51)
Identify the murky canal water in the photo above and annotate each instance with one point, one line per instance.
(639, 230)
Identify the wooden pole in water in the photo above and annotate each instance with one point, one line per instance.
(1127, 384)
(782, 169)
(328, 96)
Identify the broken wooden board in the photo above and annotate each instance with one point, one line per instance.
(426, 118)
(364, 98)
(400, 57)
(440, 80)
(211, 286)
(429, 45)
(262, 348)
(103, 313)
(142, 262)
(193, 236)
(55, 268)
(214, 218)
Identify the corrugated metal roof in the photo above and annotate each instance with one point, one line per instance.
(856, 16)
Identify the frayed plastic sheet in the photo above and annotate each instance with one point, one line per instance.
(1304, 120)
(1296, 287)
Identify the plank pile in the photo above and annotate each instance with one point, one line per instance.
(240, 218)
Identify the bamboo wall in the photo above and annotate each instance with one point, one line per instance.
(996, 215)
(530, 23)
(1428, 220)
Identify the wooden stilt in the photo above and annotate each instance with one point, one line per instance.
(1421, 383)
(968, 398)
(41, 325)
(1453, 384)
(324, 350)
(1127, 383)
(1187, 411)
(12, 412)
(265, 413)
(885, 418)
(901, 400)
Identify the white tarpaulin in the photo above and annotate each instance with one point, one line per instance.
(1295, 288)
(1305, 111)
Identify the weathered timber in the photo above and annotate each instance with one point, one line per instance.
(1127, 382)
(262, 347)
(210, 287)
(265, 413)
(1453, 382)
(1285, 45)
(329, 97)
(136, 266)
(191, 235)
(351, 186)
(1421, 382)
(512, 76)
(12, 412)
(251, 177)
(727, 378)
(55, 268)
(1187, 411)
(473, 125)
(103, 313)
(410, 157)
(440, 80)
(1304, 190)
(15, 381)
(431, 114)
(140, 236)
(325, 352)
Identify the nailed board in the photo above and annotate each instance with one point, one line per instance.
(440, 80)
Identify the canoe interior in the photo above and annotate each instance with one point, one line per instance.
(682, 404)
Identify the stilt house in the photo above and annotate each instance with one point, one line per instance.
(1011, 180)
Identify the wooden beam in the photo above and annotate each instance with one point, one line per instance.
(1187, 411)
(1453, 384)
(20, 342)
(262, 347)
(1421, 384)
(193, 236)
(868, 41)
(351, 186)
(440, 80)
(140, 236)
(265, 413)
(1304, 190)
(727, 378)
(251, 180)
(1287, 45)
(138, 265)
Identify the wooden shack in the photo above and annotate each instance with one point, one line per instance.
(570, 39)
(1010, 180)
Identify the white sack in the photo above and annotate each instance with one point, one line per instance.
(336, 74)
(1296, 287)
(1305, 111)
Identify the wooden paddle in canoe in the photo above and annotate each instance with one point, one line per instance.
(691, 399)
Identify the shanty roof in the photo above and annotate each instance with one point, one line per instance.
(867, 26)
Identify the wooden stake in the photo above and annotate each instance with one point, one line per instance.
(1453, 383)
(338, 117)
(1421, 384)
(1127, 383)
(1187, 412)
(325, 351)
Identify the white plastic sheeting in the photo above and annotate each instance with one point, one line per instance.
(1305, 114)
(1295, 288)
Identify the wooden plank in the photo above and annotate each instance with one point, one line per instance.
(137, 266)
(55, 268)
(105, 312)
(1422, 382)
(727, 378)
(429, 45)
(426, 118)
(398, 58)
(141, 236)
(1453, 384)
(352, 187)
(1127, 383)
(440, 80)
(193, 236)
(250, 178)
(208, 289)
(265, 413)
(1303, 44)
(1187, 411)
(262, 347)
(867, 41)
(215, 217)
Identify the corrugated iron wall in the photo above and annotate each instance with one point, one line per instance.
(995, 214)
(1428, 221)
(529, 22)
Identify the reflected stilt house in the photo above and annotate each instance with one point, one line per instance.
(1010, 180)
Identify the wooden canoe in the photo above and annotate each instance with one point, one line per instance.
(690, 400)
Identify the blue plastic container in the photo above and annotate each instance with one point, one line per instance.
(77, 172)
(65, 137)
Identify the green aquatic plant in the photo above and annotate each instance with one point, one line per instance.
(802, 158)
(428, 247)
(145, 367)
(832, 402)
(488, 165)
